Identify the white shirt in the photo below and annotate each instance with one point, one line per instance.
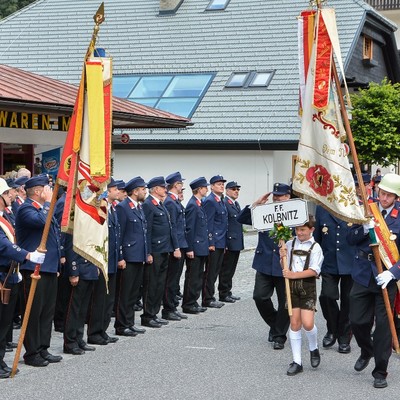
(316, 257)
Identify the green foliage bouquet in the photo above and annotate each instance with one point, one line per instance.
(280, 232)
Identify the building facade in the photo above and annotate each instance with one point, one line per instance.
(230, 66)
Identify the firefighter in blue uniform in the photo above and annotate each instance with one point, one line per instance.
(29, 224)
(217, 222)
(10, 256)
(331, 233)
(366, 300)
(162, 242)
(234, 244)
(197, 249)
(175, 265)
(133, 228)
(269, 273)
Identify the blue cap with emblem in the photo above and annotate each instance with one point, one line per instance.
(232, 184)
(40, 180)
(134, 183)
(174, 177)
(112, 183)
(365, 177)
(217, 178)
(21, 181)
(199, 182)
(157, 181)
(120, 184)
(11, 183)
(281, 189)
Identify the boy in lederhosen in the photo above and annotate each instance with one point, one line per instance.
(304, 259)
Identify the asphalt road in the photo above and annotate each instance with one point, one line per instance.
(220, 354)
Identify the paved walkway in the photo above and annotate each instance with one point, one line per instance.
(220, 354)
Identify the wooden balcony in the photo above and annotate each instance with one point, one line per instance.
(383, 5)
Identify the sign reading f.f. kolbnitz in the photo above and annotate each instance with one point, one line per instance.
(289, 213)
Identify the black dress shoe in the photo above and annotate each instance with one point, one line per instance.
(270, 337)
(137, 329)
(227, 299)
(98, 340)
(180, 315)
(76, 351)
(85, 347)
(37, 361)
(4, 374)
(361, 363)
(12, 345)
(171, 316)
(8, 349)
(161, 321)
(151, 323)
(201, 309)
(294, 369)
(110, 339)
(234, 297)
(344, 348)
(16, 325)
(278, 346)
(191, 310)
(6, 368)
(125, 332)
(50, 358)
(328, 340)
(380, 383)
(214, 304)
(315, 358)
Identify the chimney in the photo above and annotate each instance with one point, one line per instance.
(169, 6)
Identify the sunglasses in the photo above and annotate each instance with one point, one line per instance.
(235, 189)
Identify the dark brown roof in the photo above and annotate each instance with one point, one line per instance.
(22, 90)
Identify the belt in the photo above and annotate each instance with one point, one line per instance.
(366, 256)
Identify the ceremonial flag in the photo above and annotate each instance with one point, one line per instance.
(322, 170)
(85, 164)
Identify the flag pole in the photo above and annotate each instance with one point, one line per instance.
(367, 211)
(35, 276)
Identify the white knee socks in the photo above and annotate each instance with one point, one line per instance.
(312, 337)
(295, 343)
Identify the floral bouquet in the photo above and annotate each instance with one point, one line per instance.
(280, 232)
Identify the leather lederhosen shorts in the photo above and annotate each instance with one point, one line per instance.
(304, 293)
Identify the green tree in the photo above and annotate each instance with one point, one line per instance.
(8, 7)
(376, 123)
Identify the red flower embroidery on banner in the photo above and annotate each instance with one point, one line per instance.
(320, 180)
(335, 132)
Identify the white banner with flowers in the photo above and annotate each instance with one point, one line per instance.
(322, 171)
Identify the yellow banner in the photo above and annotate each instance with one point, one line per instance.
(95, 104)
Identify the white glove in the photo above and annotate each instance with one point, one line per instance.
(37, 257)
(384, 278)
(369, 225)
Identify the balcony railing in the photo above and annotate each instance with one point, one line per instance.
(384, 4)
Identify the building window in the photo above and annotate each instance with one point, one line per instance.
(215, 5)
(178, 94)
(248, 80)
(367, 48)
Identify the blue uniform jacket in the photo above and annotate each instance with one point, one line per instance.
(196, 227)
(114, 241)
(266, 258)
(217, 221)
(77, 265)
(9, 252)
(331, 233)
(29, 227)
(133, 228)
(177, 214)
(234, 237)
(363, 270)
(160, 237)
